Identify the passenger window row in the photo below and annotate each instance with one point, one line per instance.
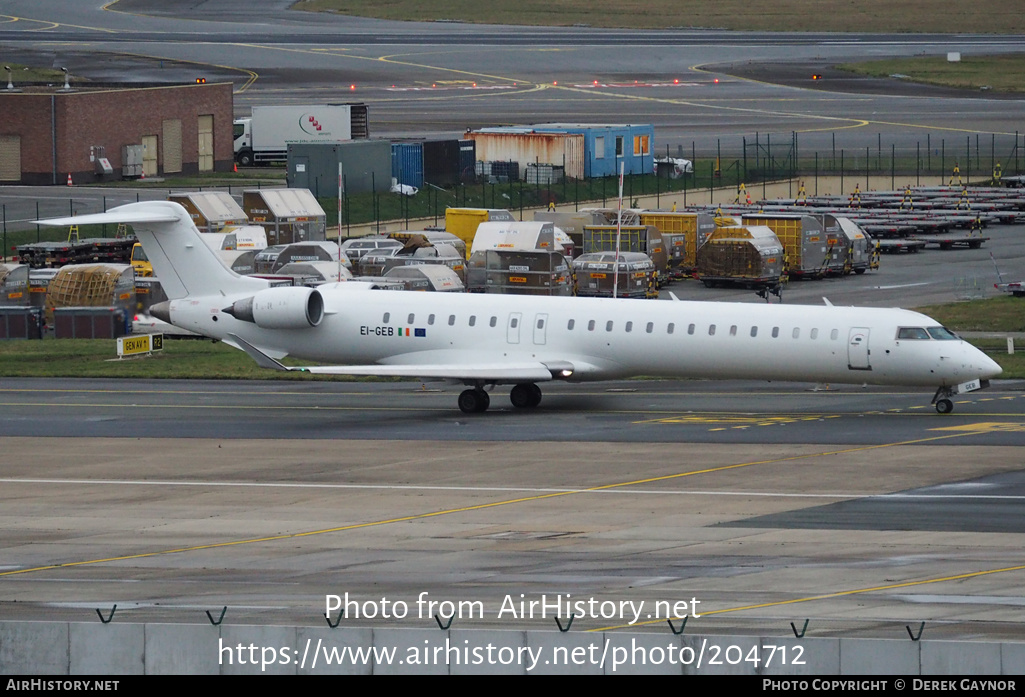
(649, 327)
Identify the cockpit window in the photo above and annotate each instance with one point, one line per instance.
(942, 333)
(912, 333)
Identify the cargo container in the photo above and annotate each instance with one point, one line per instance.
(811, 252)
(525, 234)
(524, 145)
(265, 136)
(286, 215)
(242, 262)
(379, 262)
(430, 277)
(596, 275)
(14, 288)
(246, 238)
(311, 273)
(683, 234)
(608, 145)
(443, 162)
(355, 247)
(633, 238)
(860, 251)
(273, 258)
(92, 285)
(749, 256)
(211, 211)
(463, 222)
(572, 223)
(407, 164)
(519, 272)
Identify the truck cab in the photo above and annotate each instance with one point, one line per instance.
(140, 262)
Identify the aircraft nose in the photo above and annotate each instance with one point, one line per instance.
(990, 368)
(982, 364)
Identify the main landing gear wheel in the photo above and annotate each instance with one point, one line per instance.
(944, 406)
(526, 395)
(474, 401)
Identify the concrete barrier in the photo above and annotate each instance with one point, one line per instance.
(63, 648)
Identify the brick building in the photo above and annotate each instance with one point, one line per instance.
(47, 134)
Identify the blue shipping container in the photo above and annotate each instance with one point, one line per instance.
(407, 163)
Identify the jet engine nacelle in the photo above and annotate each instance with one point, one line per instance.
(281, 308)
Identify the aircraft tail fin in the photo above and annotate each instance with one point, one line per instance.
(185, 265)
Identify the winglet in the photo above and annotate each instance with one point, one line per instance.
(261, 358)
(826, 300)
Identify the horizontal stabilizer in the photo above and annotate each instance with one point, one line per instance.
(112, 218)
(487, 372)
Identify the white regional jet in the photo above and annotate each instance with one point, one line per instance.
(487, 340)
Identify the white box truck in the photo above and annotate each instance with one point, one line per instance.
(264, 136)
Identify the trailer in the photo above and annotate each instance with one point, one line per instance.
(265, 136)
(950, 241)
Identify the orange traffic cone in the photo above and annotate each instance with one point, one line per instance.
(70, 183)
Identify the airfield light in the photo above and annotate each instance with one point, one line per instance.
(200, 80)
(676, 81)
(816, 76)
(716, 81)
(352, 87)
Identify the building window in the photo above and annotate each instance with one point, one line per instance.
(619, 146)
(642, 145)
(599, 148)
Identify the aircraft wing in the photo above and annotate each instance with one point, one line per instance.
(488, 372)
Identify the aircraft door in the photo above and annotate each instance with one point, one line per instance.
(513, 328)
(540, 328)
(857, 349)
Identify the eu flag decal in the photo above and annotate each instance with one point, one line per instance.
(420, 331)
